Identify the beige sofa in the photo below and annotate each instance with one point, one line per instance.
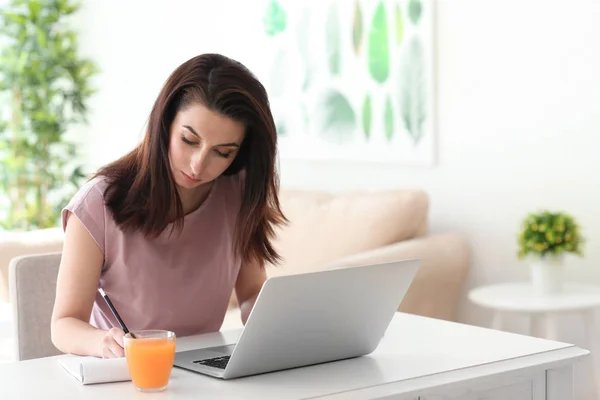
(13, 244)
(334, 230)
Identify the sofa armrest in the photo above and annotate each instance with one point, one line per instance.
(436, 289)
(15, 244)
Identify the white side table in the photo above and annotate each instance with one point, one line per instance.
(520, 298)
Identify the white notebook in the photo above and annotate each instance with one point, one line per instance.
(90, 370)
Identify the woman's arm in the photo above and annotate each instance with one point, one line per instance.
(77, 282)
(249, 282)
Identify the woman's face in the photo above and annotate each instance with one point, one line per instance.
(203, 145)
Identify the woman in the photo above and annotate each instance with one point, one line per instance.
(171, 229)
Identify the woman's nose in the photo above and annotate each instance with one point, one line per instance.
(198, 165)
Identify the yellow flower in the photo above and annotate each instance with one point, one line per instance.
(542, 228)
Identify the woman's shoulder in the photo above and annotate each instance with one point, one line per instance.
(89, 206)
(93, 189)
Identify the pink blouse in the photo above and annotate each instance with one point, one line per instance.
(181, 282)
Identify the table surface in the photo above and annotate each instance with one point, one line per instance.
(413, 350)
(5, 311)
(6, 333)
(5, 319)
(521, 297)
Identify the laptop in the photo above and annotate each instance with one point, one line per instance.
(310, 318)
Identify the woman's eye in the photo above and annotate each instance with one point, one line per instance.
(224, 155)
(185, 140)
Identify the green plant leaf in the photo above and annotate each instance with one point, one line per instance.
(41, 37)
(274, 20)
(388, 119)
(336, 118)
(399, 25)
(549, 234)
(45, 89)
(15, 17)
(357, 28)
(34, 9)
(413, 90)
(333, 40)
(367, 116)
(415, 10)
(378, 51)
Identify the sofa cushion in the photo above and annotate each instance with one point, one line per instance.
(327, 226)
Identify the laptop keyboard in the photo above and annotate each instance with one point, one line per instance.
(216, 362)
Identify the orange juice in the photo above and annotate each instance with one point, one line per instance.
(150, 360)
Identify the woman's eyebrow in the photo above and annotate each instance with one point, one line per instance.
(189, 128)
(232, 144)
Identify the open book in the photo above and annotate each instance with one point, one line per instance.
(90, 370)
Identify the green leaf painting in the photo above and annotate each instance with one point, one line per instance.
(351, 73)
(336, 118)
(303, 32)
(413, 98)
(357, 28)
(388, 119)
(414, 11)
(378, 52)
(399, 25)
(281, 128)
(278, 75)
(367, 116)
(333, 40)
(305, 117)
(274, 20)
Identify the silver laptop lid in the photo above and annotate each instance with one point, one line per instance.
(320, 316)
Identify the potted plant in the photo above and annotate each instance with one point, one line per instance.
(44, 90)
(545, 238)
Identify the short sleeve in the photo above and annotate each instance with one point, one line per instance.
(88, 204)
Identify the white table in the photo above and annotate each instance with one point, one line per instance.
(542, 310)
(5, 319)
(6, 332)
(418, 358)
(520, 298)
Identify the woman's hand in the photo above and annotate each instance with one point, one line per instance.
(112, 344)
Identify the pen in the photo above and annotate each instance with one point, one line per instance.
(115, 313)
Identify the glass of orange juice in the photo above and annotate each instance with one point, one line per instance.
(150, 356)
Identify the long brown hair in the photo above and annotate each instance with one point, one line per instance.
(142, 194)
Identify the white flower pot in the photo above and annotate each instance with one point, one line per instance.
(547, 275)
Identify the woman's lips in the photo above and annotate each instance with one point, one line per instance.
(189, 178)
